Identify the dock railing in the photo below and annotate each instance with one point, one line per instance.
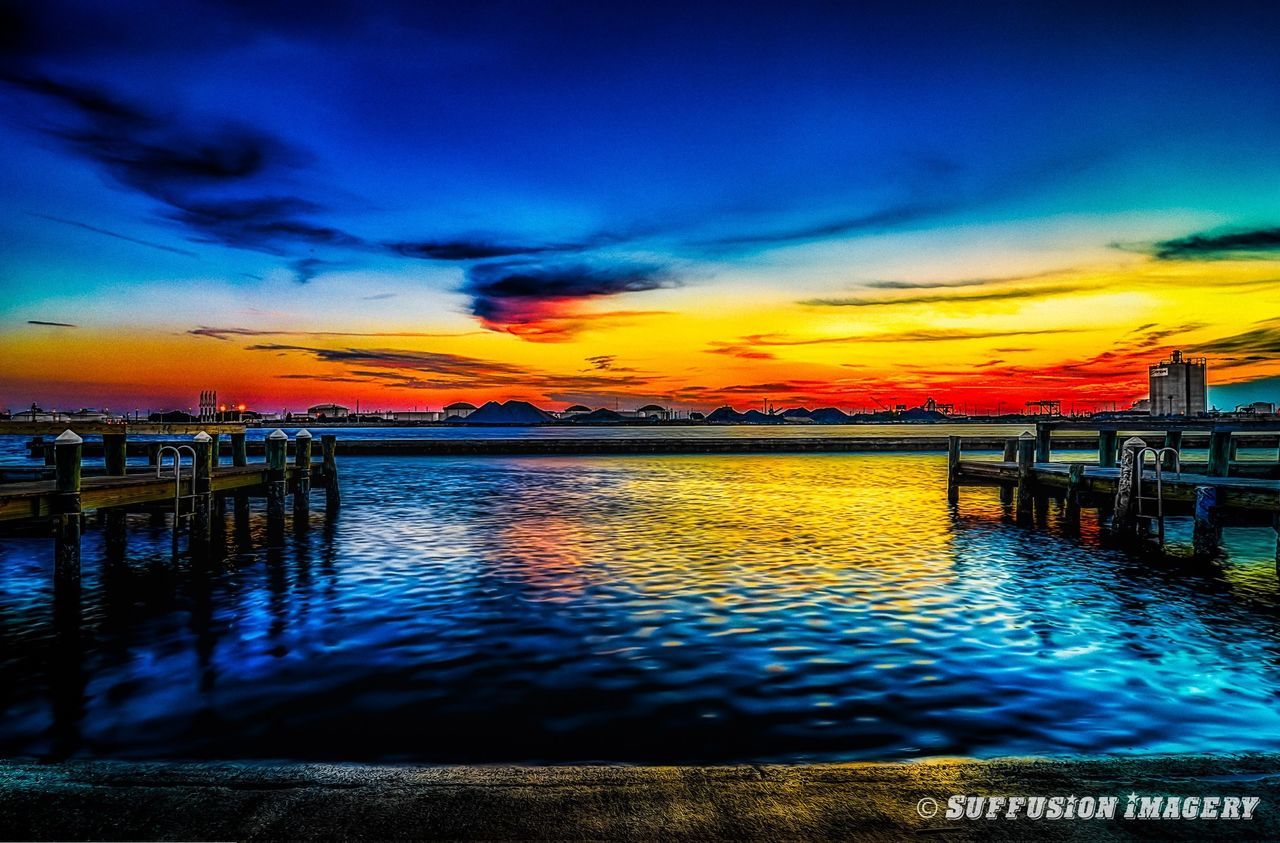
(1212, 490)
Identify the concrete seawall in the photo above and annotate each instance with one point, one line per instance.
(240, 801)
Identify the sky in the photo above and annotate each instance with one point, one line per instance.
(817, 204)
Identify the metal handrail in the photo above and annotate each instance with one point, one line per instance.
(177, 475)
(1157, 456)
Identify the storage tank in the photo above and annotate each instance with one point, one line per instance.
(1178, 386)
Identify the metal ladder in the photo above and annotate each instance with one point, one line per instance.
(1145, 519)
(178, 497)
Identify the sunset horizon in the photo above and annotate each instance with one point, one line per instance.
(822, 209)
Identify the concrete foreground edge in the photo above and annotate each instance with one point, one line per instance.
(111, 800)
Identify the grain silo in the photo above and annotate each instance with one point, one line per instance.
(1178, 386)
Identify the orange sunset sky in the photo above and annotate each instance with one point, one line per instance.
(635, 204)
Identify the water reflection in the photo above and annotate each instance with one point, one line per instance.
(672, 609)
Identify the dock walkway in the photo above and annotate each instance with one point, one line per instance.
(1134, 483)
(194, 489)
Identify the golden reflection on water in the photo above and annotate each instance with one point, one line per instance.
(716, 526)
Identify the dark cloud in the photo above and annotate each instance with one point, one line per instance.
(468, 249)
(961, 282)
(214, 178)
(158, 155)
(540, 301)
(434, 369)
(602, 362)
(51, 324)
(305, 269)
(942, 298)
(1148, 337)
(1259, 341)
(272, 224)
(1222, 246)
(433, 362)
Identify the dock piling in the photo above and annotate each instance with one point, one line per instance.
(113, 450)
(1172, 439)
(332, 491)
(1044, 440)
(1124, 519)
(302, 476)
(1010, 455)
(68, 449)
(202, 521)
(277, 443)
(239, 450)
(113, 518)
(240, 458)
(1220, 453)
(1107, 448)
(1075, 478)
(953, 466)
(1026, 459)
(1206, 534)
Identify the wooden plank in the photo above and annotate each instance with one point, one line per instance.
(1233, 492)
(35, 500)
(1158, 425)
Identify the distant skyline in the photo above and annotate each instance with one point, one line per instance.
(692, 204)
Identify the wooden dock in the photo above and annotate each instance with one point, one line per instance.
(1134, 483)
(194, 489)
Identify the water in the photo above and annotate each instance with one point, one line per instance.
(645, 609)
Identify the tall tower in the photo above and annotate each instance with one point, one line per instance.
(1178, 386)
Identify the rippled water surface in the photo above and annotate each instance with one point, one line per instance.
(674, 609)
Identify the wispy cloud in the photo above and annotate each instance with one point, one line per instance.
(946, 335)
(1226, 245)
(117, 235)
(946, 298)
(227, 333)
(417, 369)
(880, 220)
(1258, 341)
(472, 248)
(959, 282)
(51, 324)
(739, 350)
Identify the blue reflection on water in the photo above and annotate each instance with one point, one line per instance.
(677, 609)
